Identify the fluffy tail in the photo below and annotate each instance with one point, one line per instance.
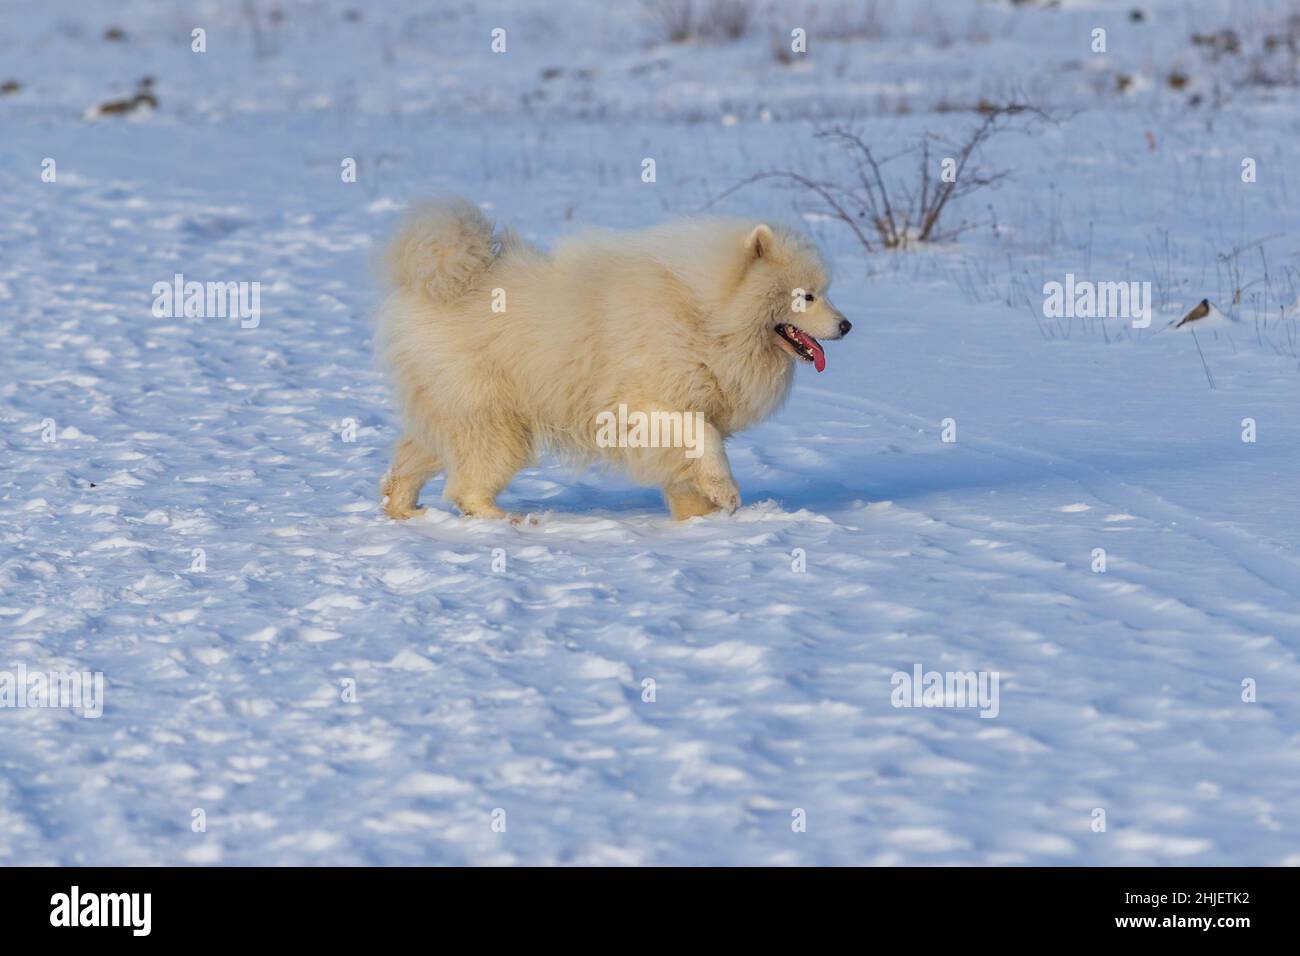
(441, 247)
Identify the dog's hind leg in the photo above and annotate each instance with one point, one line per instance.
(485, 456)
(413, 465)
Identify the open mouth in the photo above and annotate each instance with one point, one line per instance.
(801, 345)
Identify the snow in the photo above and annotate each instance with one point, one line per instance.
(334, 687)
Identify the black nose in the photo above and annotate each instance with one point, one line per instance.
(845, 325)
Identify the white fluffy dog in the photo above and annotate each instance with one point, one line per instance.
(499, 350)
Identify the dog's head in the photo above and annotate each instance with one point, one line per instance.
(788, 274)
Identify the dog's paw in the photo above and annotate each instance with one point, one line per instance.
(477, 508)
(398, 498)
(722, 493)
(401, 514)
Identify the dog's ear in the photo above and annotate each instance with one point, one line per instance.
(760, 241)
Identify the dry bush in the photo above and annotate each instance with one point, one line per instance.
(892, 211)
(683, 21)
(1261, 51)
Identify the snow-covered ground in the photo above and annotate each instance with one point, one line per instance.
(182, 507)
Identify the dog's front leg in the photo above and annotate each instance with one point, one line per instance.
(705, 476)
(685, 502)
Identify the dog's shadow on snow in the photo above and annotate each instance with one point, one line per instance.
(535, 490)
(878, 477)
(881, 474)
(899, 476)
(886, 477)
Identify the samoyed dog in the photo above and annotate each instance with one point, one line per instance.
(688, 332)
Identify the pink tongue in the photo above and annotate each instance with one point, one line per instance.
(803, 338)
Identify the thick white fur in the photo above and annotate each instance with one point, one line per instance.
(677, 318)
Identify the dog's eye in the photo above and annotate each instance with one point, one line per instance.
(809, 297)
